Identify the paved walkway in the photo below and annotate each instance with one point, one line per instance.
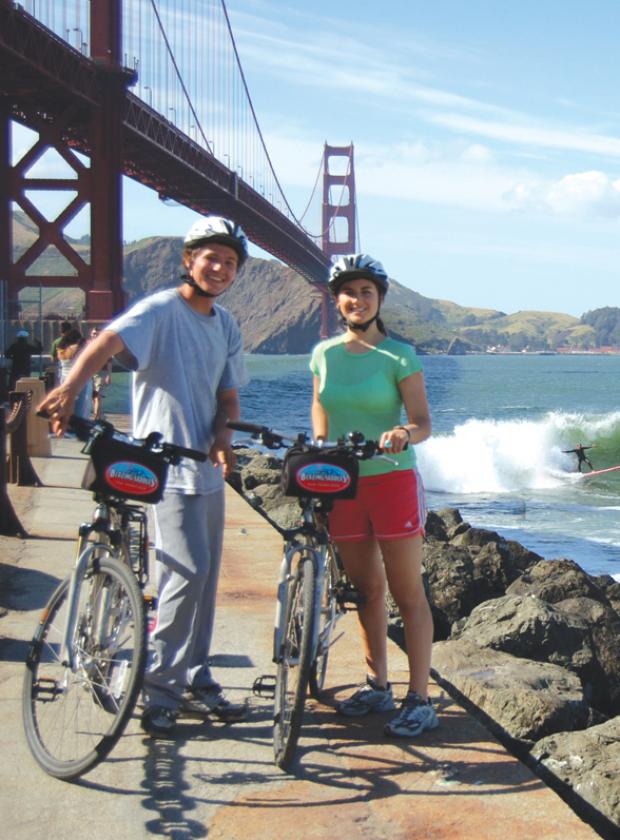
(219, 781)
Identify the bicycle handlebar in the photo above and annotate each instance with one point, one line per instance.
(88, 430)
(354, 442)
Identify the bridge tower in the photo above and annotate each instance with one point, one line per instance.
(338, 204)
(100, 277)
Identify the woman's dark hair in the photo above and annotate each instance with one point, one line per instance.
(72, 337)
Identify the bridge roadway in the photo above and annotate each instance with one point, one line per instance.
(219, 781)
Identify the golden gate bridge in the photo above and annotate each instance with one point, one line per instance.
(153, 90)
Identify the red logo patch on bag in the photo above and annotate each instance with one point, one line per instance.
(322, 478)
(130, 477)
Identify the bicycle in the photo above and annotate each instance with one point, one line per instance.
(86, 661)
(313, 590)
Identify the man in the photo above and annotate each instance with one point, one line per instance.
(20, 353)
(579, 451)
(187, 357)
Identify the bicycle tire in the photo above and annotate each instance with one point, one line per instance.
(294, 662)
(327, 621)
(73, 717)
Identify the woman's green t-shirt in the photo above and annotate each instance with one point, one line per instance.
(359, 392)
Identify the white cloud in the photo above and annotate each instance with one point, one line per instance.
(530, 135)
(476, 153)
(590, 193)
(582, 194)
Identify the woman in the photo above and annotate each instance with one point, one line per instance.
(68, 349)
(362, 381)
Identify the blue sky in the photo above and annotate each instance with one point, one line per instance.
(486, 132)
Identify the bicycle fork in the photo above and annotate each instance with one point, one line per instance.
(82, 564)
(286, 575)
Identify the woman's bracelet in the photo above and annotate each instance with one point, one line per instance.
(405, 429)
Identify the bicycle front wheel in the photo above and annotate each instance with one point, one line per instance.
(294, 662)
(74, 714)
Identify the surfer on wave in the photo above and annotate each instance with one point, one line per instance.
(580, 452)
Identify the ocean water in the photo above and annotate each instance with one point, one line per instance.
(500, 424)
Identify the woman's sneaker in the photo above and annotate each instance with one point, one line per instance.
(415, 716)
(368, 698)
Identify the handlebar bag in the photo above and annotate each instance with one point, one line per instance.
(126, 471)
(324, 474)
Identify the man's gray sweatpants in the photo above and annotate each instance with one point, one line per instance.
(188, 540)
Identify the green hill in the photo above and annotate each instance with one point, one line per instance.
(280, 312)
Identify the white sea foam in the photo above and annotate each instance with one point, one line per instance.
(490, 456)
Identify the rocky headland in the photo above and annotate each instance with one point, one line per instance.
(527, 644)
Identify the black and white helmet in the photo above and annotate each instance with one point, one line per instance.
(217, 229)
(354, 266)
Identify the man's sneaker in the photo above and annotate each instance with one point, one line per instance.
(415, 716)
(158, 720)
(205, 702)
(368, 698)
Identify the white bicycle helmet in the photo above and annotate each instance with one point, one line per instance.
(219, 230)
(354, 266)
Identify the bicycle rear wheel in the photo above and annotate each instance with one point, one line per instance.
(74, 716)
(294, 662)
(327, 621)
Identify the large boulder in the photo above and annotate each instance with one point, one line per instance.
(466, 566)
(523, 699)
(556, 580)
(582, 597)
(589, 763)
(579, 634)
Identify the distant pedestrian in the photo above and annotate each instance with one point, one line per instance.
(69, 348)
(20, 353)
(101, 381)
(65, 327)
(579, 451)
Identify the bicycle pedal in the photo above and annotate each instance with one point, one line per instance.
(264, 686)
(350, 599)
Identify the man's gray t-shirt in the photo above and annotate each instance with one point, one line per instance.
(183, 359)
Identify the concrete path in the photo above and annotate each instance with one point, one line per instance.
(219, 781)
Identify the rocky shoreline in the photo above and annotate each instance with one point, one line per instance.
(527, 644)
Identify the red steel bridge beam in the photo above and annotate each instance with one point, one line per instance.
(106, 297)
(37, 101)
